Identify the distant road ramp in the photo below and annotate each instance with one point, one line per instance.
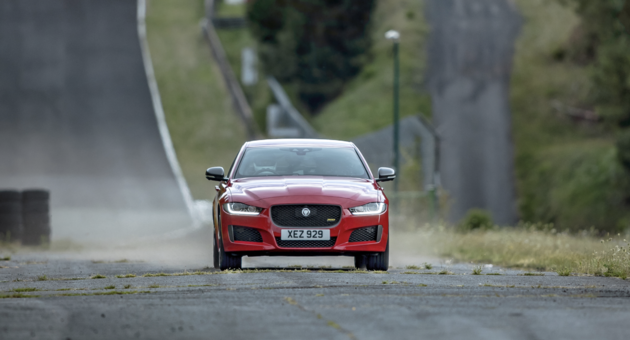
(77, 117)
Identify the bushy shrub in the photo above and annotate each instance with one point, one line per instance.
(476, 219)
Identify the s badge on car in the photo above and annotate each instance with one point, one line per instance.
(306, 212)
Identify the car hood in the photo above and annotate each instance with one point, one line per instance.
(253, 189)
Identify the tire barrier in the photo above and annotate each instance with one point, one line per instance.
(35, 217)
(10, 215)
(25, 216)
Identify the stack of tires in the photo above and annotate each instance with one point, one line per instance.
(25, 216)
(35, 217)
(10, 215)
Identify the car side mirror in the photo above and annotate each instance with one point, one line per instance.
(386, 174)
(216, 174)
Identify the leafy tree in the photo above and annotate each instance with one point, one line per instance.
(317, 44)
(609, 41)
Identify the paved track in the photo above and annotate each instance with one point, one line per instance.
(76, 117)
(469, 65)
(318, 304)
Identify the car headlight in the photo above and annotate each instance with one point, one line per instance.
(241, 209)
(369, 209)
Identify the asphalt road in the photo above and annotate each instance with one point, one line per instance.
(311, 303)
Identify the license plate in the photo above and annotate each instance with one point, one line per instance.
(305, 234)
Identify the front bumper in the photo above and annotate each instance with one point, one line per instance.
(269, 231)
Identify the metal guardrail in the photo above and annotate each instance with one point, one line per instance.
(236, 92)
(297, 126)
(222, 22)
(228, 22)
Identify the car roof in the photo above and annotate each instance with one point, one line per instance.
(299, 142)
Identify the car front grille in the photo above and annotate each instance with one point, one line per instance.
(364, 234)
(317, 215)
(247, 234)
(305, 244)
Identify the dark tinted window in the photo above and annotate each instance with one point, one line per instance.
(288, 161)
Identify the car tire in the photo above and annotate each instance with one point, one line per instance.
(226, 261)
(380, 261)
(215, 252)
(36, 217)
(360, 262)
(10, 215)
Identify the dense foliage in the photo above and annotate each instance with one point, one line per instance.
(316, 44)
(605, 35)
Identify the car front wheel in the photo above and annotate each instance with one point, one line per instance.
(378, 262)
(215, 252)
(227, 261)
(360, 262)
(222, 260)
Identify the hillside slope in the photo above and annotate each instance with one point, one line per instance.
(566, 169)
(205, 130)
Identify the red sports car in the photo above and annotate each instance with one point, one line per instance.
(300, 197)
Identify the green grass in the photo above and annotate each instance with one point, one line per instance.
(230, 10)
(477, 270)
(25, 289)
(125, 276)
(17, 296)
(527, 247)
(113, 292)
(564, 272)
(98, 276)
(203, 125)
(110, 287)
(258, 95)
(156, 274)
(6, 258)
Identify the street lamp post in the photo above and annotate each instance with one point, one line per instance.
(395, 37)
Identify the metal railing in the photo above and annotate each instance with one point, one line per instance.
(283, 120)
(234, 87)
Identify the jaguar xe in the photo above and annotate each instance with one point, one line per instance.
(300, 197)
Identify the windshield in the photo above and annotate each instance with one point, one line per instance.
(301, 161)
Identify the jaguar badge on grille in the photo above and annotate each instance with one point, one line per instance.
(306, 212)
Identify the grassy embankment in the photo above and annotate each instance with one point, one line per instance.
(204, 128)
(524, 247)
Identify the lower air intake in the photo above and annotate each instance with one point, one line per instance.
(247, 234)
(306, 244)
(364, 234)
